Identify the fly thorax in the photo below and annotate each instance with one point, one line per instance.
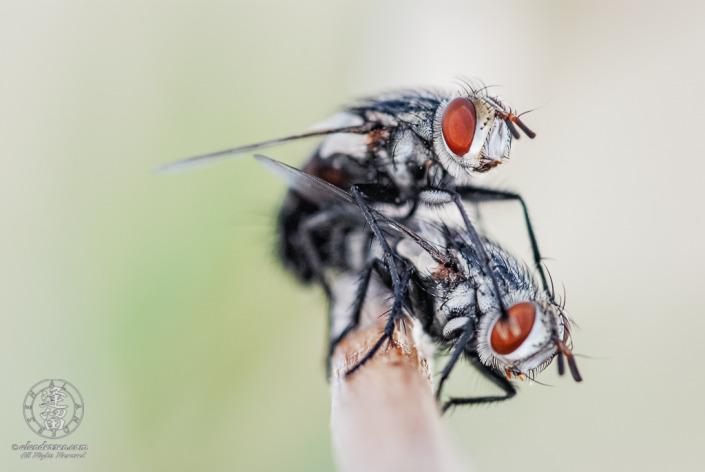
(487, 303)
(397, 167)
(409, 155)
(349, 144)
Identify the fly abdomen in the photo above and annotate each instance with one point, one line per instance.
(312, 230)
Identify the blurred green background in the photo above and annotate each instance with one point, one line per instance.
(161, 300)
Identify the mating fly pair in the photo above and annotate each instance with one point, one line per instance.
(382, 168)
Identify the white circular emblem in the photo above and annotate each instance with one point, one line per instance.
(53, 408)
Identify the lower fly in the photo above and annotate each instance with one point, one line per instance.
(501, 322)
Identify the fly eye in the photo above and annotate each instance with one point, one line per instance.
(507, 335)
(458, 125)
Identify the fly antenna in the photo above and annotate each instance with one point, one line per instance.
(570, 358)
(512, 128)
(574, 368)
(560, 362)
(523, 127)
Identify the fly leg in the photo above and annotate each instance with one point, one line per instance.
(482, 254)
(375, 265)
(457, 352)
(399, 285)
(306, 237)
(481, 194)
(396, 313)
(493, 376)
(374, 225)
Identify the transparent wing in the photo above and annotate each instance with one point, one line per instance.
(308, 186)
(319, 191)
(213, 157)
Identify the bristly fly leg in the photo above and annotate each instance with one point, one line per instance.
(374, 225)
(396, 313)
(306, 237)
(492, 375)
(457, 352)
(308, 227)
(480, 248)
(374, 265)
(399, 284)
(481, 194)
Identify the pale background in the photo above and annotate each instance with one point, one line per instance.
(160, 299)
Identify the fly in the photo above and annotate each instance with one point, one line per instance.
(441, 282)
(408, 149)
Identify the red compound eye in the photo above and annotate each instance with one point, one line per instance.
(458, 125)
(507, 335)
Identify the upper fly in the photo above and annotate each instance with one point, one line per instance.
(408, 149)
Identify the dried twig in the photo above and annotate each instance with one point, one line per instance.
(384, 416)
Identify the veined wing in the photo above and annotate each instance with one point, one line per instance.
(319, 191)
(213, 157)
